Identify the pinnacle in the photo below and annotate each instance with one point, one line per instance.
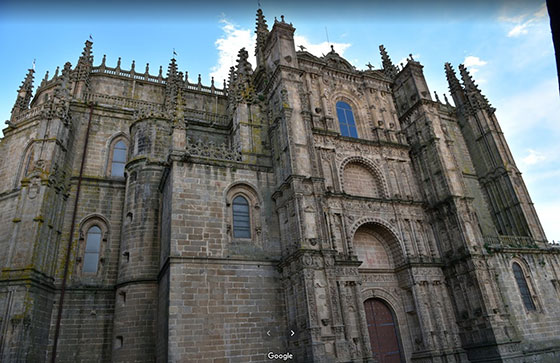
(467, 79)
(243, 65)
(454, 84)
(262, 27)
(388, 65)
(86, 53)
(27, 83)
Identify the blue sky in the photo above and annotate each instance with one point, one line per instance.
(505, 44)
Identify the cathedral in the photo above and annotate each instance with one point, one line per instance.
(307, 211)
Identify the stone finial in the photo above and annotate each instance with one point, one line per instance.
(56, 72)
(160, 74)
(103, 60)
(212, 82)
(446, 100)
(388, 66)
(119, 63)
(45, 79)
(437, 97)
(132, 66)
(243, 65)
(66, 70)
(147, 68)
(186, 76)
(199, 79)
(282, 17)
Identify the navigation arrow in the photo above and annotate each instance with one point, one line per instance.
(292, 333)
(268, 333)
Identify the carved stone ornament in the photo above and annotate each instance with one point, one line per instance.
(212, 150)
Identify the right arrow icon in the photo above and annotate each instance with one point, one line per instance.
(292, 333)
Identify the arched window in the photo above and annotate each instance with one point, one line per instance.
(523, 287)
(91, 254)
(119, 159)
(346, 119)
(241, 218)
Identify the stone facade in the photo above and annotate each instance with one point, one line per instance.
(151, 257)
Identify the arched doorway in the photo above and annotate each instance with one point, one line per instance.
(382, 330)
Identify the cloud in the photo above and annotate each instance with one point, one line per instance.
(320, 48)
(536, 107)
(542, 12)
(518, 30)
(228, 45)
(524, 22)
(234, 38)
(533, 158)
(405, 59)
(548, 213)
(473, 63)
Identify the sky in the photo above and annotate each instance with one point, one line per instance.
(506, 45)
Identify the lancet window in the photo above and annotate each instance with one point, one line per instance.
(523, 287)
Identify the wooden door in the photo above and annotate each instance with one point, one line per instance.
(382, 332)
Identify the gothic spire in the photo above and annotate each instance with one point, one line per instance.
(475, 96)
(388, 66)
(454, 85)
(172, 69)
(171, 86)
(25, 92)
(262, 33)
(262, 27)
(85, 62)
(86, 53)
(470, 86)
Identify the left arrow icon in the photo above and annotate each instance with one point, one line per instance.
(268, 333)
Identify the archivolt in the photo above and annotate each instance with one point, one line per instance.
(393, 241)
(368, 164)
